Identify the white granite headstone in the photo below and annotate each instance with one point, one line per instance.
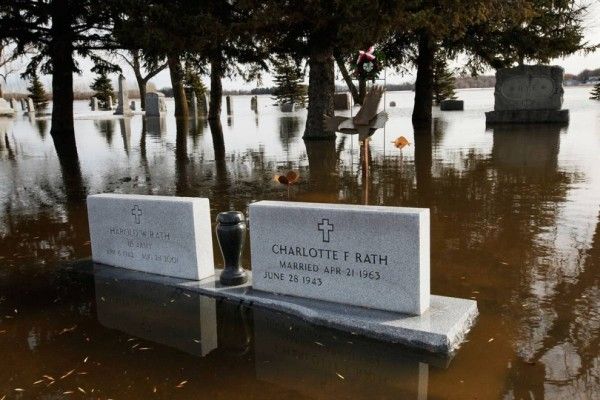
(158, 234)
(370, 256)
(155, 104)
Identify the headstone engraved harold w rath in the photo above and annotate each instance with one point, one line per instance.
(158, 234)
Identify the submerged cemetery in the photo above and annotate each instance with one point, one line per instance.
(332, 200)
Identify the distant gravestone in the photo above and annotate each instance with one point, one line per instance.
(94, 104)
(287, 107)
(157, 234)
(109, 103)
(23, 105)
(341, 101)
(529, 94)
(30, 106)
(392, 104)
(132, 106)
(452, 105)
(13, 103)
(123, 103)
(228, 105)
(155, 104)
(203, 105)
(5, 109)
(194, 104)
(254, 103)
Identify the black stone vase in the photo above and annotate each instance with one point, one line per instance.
(231, 234)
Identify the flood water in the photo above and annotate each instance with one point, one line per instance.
(515, 224)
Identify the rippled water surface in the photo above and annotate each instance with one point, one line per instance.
(514, 224)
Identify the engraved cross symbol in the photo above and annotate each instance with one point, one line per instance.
(136, 211)
(325, 227)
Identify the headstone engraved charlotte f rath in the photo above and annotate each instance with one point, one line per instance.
(158, 234)
(376, 257)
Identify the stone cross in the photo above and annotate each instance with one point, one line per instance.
(123, 105)
(136, 211)
(325, 227)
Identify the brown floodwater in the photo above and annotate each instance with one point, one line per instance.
(515, 224)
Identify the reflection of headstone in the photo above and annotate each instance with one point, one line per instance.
(126, 133)
(529, 94)
(94, 103)
(364, 369)
(452, 105)
(530, 149)
(30, 106)
(6, 109)
(123, 104)
(155, 104)
(13, 103)
(109, 104)
(155, 312)
(341, 101)
(254, 103)
(155, 126)
(228, 104)
(23, 105)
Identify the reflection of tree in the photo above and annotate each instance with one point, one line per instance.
(181, 158)
(42, 126)
(323, 177)
(289, 130)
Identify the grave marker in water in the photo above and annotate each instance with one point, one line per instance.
(376, 257)
(155, 104)
(30, 106)
(13, 103)
(529, 94)
(123, 107)
(157, 234)
(5, 109)
(94, 103)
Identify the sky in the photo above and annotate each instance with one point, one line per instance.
(572, 64)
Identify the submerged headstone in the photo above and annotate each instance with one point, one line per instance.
(155, 104)
(158, 234)
(203, 106)
(452, 105)
(341, 101)
(194, 104)
(287, 107)
(254, 103)
(94, 103)
(13, 103)
(5, 109)
(109, 103)
(132, 105)
(123, 104)
(376, 257)
(529, 94)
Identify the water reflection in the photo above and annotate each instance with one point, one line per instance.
(514, 213)
(155, 312)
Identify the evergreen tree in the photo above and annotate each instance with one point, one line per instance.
(596, 92)
(288, 83)
(102, 86)
(37, 92)
(443, 79)
(193, 82)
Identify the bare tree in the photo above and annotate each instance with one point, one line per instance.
(137, 62)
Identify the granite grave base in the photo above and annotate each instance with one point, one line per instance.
(441, 329)
(527, 116)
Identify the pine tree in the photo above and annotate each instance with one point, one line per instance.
(37, 92)
(102, 86)
(596, 92)
(443, 79)
(288, 83)
(193, 82)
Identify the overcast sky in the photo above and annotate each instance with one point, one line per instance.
(572, 64)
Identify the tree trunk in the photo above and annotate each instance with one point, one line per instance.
(362, 89)
(424, 83)
(217, 71)
(61, 58)
(137, 70)
(346, 75)
(321, 87)
(176, 72)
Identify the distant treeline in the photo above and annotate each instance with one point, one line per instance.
(584, 75)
